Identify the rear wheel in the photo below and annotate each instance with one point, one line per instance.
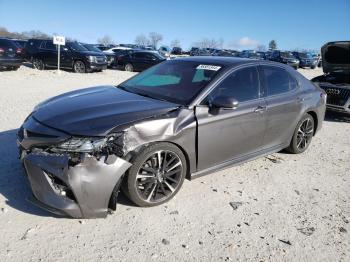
(302, 135)
(38, 64)
(79, 67)
(129, 67)
(156, 175)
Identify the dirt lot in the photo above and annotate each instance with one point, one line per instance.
(289, 207)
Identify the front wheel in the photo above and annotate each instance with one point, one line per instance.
(302, 135)
(129, 67)
(156, 175)
(79, 67)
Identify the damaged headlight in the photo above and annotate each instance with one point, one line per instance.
(81, 145)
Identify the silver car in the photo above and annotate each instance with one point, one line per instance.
(183, 118)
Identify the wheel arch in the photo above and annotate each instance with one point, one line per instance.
(315, 118)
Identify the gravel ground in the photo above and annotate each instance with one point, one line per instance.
(279, 208)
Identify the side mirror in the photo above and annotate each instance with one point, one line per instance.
(225, 102)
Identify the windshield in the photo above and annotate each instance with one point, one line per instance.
(76, 46)
(287, 54)
(91, 47)
(174, 81)
(305, 55)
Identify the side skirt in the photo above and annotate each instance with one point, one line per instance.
(238, 160)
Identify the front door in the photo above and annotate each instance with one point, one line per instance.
(228, 134)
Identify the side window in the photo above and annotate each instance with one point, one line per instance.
(277, 80)
(242, 85)
(50, 46)
(139, 55)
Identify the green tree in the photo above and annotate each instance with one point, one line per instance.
(273, 45)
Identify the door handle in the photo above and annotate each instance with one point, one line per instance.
(260, 109)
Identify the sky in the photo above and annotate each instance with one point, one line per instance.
(242, 24)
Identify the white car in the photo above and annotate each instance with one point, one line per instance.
(117, 48)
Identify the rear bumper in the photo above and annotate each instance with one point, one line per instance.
(11, 62)
(80, 191)
(342, 109)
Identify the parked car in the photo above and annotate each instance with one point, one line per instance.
(222, 53)
(252, 54)
(336, 78)
(284, 57)
(305, 59)
(10, 54)
(164, 51)
(73, 56)
(183, 118)
(139, 60)
(199, 52)
(110, 57)
(176, 51)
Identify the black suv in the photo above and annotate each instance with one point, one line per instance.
(10, 54)
(284, 57)
(306, 59)
(139, 60)
(43, 54)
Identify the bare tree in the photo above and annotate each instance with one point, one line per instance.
(142, 40)
(155, 38)
(106, 40)
(261, 48)
(210, 43)
(175, 43)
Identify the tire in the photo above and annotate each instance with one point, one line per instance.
(129, 67)
(153, 186)
(79, 67)
(302, 135)
(313, 67)
(15, 68)
(38, 64)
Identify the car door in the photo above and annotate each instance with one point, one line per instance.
(228, 134)
(66, 60)
(139, 61)
(49, 53)
(283, 104)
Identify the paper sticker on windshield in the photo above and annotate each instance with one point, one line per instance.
(209, 67)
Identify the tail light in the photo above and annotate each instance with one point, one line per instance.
(2, 50)
(19, 51)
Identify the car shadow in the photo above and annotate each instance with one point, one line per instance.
(337, 117)
(14, 185)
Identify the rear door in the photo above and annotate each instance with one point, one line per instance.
(284, 105)
(139, 61)
(228, 134)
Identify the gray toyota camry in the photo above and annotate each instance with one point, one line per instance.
(183, 118)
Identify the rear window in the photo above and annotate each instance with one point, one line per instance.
(5, 43)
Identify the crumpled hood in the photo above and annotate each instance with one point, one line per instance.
(96, 111)
(336, 57)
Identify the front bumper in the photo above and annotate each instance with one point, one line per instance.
(308, 63)
(80, 191)
(97, 66)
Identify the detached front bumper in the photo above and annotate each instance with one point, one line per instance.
(80, 191)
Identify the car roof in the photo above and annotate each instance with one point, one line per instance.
(227, 61)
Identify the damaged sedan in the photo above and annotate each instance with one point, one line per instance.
(182, 118)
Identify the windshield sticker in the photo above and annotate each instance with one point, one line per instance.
(209, 67)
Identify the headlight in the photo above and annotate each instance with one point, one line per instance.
(81, 145)
(91, 58)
